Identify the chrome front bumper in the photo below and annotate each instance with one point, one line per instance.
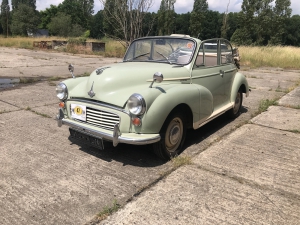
(115, 136)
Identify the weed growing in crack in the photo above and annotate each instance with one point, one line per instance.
(107, 211)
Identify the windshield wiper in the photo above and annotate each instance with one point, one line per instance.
(137, 56)
(164, 57)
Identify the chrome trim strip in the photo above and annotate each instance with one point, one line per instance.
(99, 104)
(110, 137)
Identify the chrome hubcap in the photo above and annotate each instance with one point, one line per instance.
(174, 134)
(237, 103)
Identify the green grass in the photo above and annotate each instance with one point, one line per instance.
(181, 161)
(24, 80)
(265, 104)
(107, 211)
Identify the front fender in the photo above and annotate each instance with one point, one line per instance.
(162, 106)
(240, 81)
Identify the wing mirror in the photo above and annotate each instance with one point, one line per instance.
(71, 69)
(158, 77)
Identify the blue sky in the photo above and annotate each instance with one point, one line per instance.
(181, 6)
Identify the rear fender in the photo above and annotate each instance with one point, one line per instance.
(239, 82)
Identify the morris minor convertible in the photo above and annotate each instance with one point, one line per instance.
(164, 86)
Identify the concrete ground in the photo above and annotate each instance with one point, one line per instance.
(242, 170)
(252, 176)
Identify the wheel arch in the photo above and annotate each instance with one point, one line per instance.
(239, 83)
(185, 98)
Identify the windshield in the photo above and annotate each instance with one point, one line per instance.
(163, 49)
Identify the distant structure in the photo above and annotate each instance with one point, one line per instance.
(39, 33)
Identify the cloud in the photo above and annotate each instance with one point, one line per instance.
(181, 6)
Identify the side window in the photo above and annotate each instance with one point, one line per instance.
(208, 54)
(226, 52)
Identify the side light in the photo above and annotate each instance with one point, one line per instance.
(61, 105)
(136, 121)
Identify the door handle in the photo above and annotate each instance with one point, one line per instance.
(222, 73)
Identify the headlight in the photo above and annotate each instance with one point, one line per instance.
(136, 104)
(61, 91)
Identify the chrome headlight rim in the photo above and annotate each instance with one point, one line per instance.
(140, 107)
(62, 91)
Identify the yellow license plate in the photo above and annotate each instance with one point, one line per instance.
(78, 112)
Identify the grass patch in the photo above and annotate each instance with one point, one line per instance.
(107, 211)
(55, 78)
(265, 104)
(24, 80)
(37, 113)
(286, 57)
(181, 161)
(295, 131)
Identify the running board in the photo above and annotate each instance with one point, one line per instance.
(213, 116)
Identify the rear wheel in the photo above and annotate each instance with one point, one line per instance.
(173, 135)
(236, 110)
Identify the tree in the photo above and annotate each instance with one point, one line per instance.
(292, 34)
(61, 25)
(25, 19)
(81, 11)
(166, 16)
(180, 23)
(97, 25)
(16, 3)
(211, 26)
(244, 35)
(5, 16)
(126, 17)
(282, 12)
(200, 8)
(46, 16)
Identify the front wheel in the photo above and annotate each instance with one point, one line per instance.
(236, 110)
(173, 135)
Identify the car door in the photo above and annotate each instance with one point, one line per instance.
(228, 69)
(207, 71)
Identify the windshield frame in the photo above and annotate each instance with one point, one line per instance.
(171, 57)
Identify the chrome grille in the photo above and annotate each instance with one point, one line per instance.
(103, 119)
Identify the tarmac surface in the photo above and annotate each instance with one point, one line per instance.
(245, 171)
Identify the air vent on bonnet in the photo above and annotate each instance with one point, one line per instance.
(100, 70)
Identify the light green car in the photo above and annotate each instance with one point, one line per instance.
(165, 85)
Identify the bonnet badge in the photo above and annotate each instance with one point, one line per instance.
(91, 93)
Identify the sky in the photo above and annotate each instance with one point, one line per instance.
(181, 6)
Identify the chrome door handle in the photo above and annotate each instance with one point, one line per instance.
(222, 73)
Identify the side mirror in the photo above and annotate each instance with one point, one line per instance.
(157, 77)
(71, 69)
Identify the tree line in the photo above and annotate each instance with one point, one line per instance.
(260, 22)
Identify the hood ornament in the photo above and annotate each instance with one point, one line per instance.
(91, 93)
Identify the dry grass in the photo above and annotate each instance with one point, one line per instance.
(112, 48)
(287, 57)
(271, 56)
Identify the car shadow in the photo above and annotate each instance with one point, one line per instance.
(142, 156)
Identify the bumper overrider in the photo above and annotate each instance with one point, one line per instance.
(114, 136)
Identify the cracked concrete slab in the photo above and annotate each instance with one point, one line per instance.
(31, 63)
(201, 197)
(281, 118)
(248, 177)
(292, 99)
(46, 179)
(33, 95)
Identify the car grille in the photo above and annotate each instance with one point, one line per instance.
(100, 118)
